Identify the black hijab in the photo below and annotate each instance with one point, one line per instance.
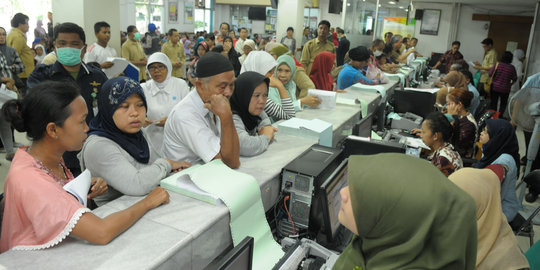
(112, 94)
(244, 86)
(502, 140)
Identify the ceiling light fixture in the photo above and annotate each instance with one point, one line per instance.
(391, 2)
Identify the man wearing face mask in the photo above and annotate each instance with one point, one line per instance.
(133, 51)
(70, 47)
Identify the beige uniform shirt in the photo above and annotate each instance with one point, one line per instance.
(17, 40)
(133, 51)
(490, 59)
(311, 49)
(176, 55)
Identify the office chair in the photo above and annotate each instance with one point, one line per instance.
(527, 229)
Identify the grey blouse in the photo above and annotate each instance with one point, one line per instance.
(251, 143)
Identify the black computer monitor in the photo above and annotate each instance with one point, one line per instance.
(238, 258)
(417, 102)
(363, 127)
(331, 199)
(371, 147)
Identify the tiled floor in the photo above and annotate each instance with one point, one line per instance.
(523, 241)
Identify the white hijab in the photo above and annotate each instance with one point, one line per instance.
(159, 57)
(258, 61)
(38, 58)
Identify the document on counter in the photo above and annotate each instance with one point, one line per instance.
(119, 65)
(80, 186)
(429, 90)
(374, 88)
(314, 128)
(327, 98)
(242, 195)
(181, 183)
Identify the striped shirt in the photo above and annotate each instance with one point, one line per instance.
(276, 112)
(504, 76)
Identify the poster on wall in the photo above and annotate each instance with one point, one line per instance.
(173, 11)
(188, 12)
(398, 25)
(430, 22)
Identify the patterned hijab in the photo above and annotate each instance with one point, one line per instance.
(113, 93)
(410, 217)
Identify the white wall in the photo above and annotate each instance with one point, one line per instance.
(222, 13)
(439, 43)
(292, 14)
(470, 33)
(257, 27)
(127, 14)
(87, 13)
(334, 19)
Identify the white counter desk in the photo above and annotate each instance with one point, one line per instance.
(184, 234)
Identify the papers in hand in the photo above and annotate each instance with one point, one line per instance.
(181, 183)
(79, 186)
(327, 98)
(119, 65)
(417, 143)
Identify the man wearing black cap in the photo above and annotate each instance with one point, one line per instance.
(200, 127)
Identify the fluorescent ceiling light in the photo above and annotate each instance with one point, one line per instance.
(391, 2)
(400, 7)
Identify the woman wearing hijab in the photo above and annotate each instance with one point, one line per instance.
(320, 71)
(301, 79)
(200, 49)
(116, 148)
(453, 79)
(10, 66)
(40, 32)
(393, 227)
(500, 146)
(285, 71)
(264, 64)
(458, 103)
(517, 62)
(228, 51)
(247, 104)
(162, 92)
(249, 46)
(40, 53)
(497, 245)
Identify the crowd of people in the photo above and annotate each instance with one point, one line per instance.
(131, 133)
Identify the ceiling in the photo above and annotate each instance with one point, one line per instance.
(485, 3)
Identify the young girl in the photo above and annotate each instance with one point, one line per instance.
(117, 149)
(38, 212)
(247, 104)
(437, 133)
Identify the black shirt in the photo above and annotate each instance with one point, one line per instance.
(341, 50)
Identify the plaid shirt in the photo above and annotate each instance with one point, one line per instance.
(449, 58)
(10, 63)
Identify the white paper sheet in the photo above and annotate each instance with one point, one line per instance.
(79, 186)
(327, 98)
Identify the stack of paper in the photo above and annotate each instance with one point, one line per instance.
(373, 88)
(314, 128)
(181, 183)
(119, 65)
(328, 98)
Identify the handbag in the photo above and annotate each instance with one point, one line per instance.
(487, 84)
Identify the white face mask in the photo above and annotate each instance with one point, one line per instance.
(377, 53)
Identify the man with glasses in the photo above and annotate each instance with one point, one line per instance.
(70, 47)
(17, 40)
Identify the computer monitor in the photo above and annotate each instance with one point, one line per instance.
(331, 199)
(417, 102)
(239, 258)
(363, 127)
(353, 146)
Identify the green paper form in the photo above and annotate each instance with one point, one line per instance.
(242, 195)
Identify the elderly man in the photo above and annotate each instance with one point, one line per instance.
(200, 127)
(317, 45)
(174, 49)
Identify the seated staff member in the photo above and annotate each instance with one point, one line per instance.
(476, 96)
(320, 71)
(264, 64)
(458, 103)
(247, 104)
(351, 74)
(162, 92)
(117, 149)
(454, 79)
(38, 212)
(399, 231)
(285, 71)
(500, 146)
(301, 79)
(201, 127)
(450, 57)
(437, 133)
(497, 245)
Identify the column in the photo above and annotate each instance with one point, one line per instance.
(290, 13)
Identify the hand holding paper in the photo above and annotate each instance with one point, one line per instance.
(99, 187)
(79, 186)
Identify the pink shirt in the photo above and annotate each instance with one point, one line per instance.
(38, 212)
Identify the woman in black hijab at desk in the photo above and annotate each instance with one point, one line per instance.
(247, 103)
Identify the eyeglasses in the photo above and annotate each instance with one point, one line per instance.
(156, 67)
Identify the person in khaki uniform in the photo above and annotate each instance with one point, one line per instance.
(133, 51)
(490, 59)
(317, 45)
(175, 51)
(17, 40)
